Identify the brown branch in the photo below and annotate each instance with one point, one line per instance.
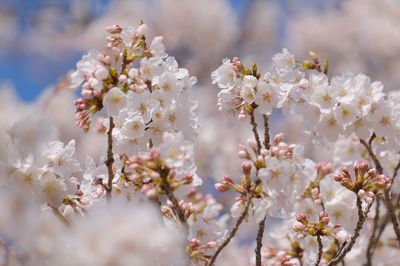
(320, 247)
(169, 191)
(266, 132)
(110, 158)
(395, 172)
(372, 154)
(378, 236)
(392, 214)
(234, 229)
(372, 238)
(387, 197)
(255, 132)
(362, 216)
(260, 234)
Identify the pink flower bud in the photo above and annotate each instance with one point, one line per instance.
(114, 29)
(242, 116)
(211, 244)
(301, 218)
(122, 79)
(246, 167)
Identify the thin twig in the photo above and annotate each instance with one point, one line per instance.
(387, 197)
(346, 248)
(371, 241)
(260, 234)
(169, 191)
(266, 132)
(320, 247)
(234, 229)
(395, 172)
(110, 159)
(393, 218)
(372, 155)
(255, 132)
(380, 230)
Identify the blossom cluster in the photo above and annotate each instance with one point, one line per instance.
(140, 86)
(331, 107)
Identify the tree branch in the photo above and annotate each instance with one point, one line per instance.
(387, 197)
(255, 132)
(320, 247)
(234, 229)
(372, 238)
(260, 234)
(110, 158)
(266, 132)
(169, 191)
(362, 216)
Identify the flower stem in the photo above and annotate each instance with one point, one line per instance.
(234, 229)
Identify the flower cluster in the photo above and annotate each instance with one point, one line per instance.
(366, 182)
(37, 163)
(304, 227)
(330, 106)
(144, 101)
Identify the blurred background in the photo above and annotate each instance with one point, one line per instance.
(41, 40)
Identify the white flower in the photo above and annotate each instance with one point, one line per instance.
(284, 60)
(167, 82)
(127, 34)
(329, 127)
(247, 92)
(323, 95)
(101, 73)
(236, 209)
(151, 67)
(342, 209)
(173, 67)
(346, 113)
(260, 207)
(114, 101)
(344, 85)
(133, 127)
(87, 65)
(267, 97)
(142, 103)
(225, 75)
(342, 236)
(134, 228)
(61, 159)
(382, 120)
(178, 153)
(157, 47)
(96, 84)
(362, 128)
(277, 173)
